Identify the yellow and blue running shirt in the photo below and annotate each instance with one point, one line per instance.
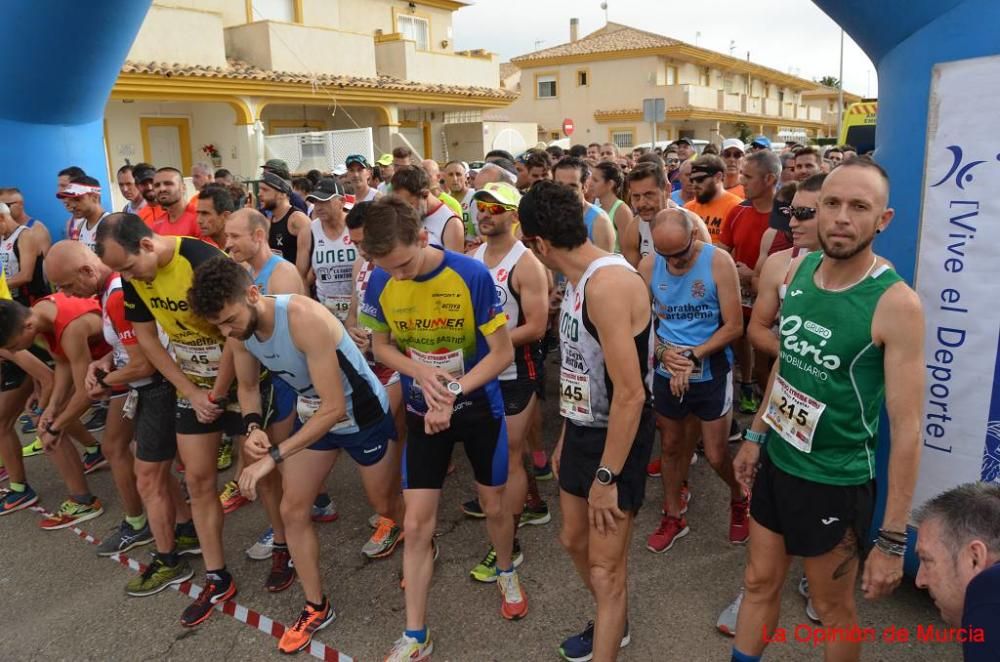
(440, 319)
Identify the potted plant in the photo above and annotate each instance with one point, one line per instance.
(212, 152)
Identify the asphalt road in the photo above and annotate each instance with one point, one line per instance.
(62, 602)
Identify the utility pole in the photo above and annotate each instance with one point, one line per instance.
(840, 93)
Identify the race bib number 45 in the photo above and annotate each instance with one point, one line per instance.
(793, 414)
(574, 396)
(198, 360)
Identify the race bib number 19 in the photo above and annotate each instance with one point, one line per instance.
(793, 414)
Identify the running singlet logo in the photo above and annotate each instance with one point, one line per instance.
(166, 303)
(803, 347)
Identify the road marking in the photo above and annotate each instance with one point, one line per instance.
(231, 608)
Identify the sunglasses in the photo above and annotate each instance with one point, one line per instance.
(493, 208)
(681, 253)
(800, 213)
(698, 179)
(672, 161)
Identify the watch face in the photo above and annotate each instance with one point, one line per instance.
(604, 476)
(455, 388)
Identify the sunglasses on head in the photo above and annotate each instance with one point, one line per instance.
(680, 253)
(493, 208)
(800, 213)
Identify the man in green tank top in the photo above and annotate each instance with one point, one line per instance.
(843, 353)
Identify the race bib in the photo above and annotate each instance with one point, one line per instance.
(574, 396)
(697, 373)
(198, 360)
(308, 406)
(131, 401)
(339, 305)
(793, 414)
(451, 362)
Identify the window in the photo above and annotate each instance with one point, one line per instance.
(272, 10)
(582, 78)
(623, 138)
(415, 29)
(545, 87)
(671, 75)
(705, 78)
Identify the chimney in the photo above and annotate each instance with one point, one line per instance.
(574, 25)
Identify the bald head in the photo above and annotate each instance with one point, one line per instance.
(862, 175)
(75, 269)
(672, 216)
(251, 219)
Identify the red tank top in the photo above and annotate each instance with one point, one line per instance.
(67, 310)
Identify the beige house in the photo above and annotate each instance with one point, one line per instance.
(599, 82)
(827, 99)
(230, 72)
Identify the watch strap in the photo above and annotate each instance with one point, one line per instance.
(755, 437)
(275, 454)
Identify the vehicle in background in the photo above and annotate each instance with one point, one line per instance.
(859, 123)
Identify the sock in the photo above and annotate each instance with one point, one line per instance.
(280, 546)
(743, 657)
(219, 577)
(138, 523)
(185, 528)
(509, 571)
(18, 487)
(92, 449)
(322, 500)
(539, 458)
(84, 499)
(169, 559)
(318, 607)
(420, 635)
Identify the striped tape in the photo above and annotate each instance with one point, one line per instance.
(245, 615)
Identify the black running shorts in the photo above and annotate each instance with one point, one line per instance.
(581, 456)
(155, 432)
(812, 517)
(231, 420)
(516, 395)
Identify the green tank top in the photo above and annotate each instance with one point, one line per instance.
(828, 394)
(611, 215)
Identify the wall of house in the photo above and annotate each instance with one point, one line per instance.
(184, 32)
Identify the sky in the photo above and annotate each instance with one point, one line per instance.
(793, 36)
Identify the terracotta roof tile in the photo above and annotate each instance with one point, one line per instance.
(612, 38)
(238, 70)
(507, 69)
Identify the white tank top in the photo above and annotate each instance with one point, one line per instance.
(11, 264)
(645, 238)
(333, 263)
(583, 391)
(88, 236)
(370, 195)
(501, 279)
(435, 223)
(470, 215)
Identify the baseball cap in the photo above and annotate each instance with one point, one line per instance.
(276, 182)
(340, 170)
(326, 189)
(143, 174)
(356, 158)
(686, 141)
(384, 160)
(278, 167)
(705, 166)
(78, 190)
(502, 192)
(762, 141)
(730, 143)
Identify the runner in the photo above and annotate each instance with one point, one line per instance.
(127, 187)
(456, 176)
(14, 200)
(340, 402)
(607, 182)
(608, 424)
(359, 172)
(712, 202)
(647, 188)
(444, 228)
(814, 492)
(696, 300)
(522, 286)
(83, 198)
(808, 162)
(333, 252)
(215, 204)
(449, 343)
(181, 218)
(575, 173)
(70, 329)
(433, 171)
(158, 271)
(289, 236)
(733, 150)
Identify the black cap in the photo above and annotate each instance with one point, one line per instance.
(275, 182)
(357, 158)
(326, 189)
(686, 141)
(143, 174)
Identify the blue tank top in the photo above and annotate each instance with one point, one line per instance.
(367, 402)
(265, 274)
(687, 310)
(589, 217)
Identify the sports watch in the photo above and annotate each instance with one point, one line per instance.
(455, 388)
(605, 476)
(275, 454)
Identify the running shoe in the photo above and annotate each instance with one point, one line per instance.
(727, 619)
(28, 425)
(214, 593)
(749, 402)
(580, 647)
(408, 649)
(654, 469)
(282, 571)
(297, 637)
(374, 520)
(735, 434)
(543, 472)
(383, 542)
(123, 538)
(513, 601)
(472, 509)
(95, 418)
(15, 501)
(158, 576)
(670, 530)
(231, 497)
(685, 500)
(71, 513)
(324, 513)
(32, 449)
(486, 571)
(225, 458)
(739, 521)
(261, 550)
(186, 540)
(535, 515)
(811, 612)
(93, 461)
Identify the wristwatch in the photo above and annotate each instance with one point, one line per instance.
(755, 437)
(605, 476)
(275, 454)
(455, 388)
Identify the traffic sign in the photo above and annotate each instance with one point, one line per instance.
(568, 127)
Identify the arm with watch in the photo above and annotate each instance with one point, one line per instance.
(247, 371)
(748, 457)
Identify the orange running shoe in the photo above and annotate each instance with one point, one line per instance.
(514, 603)
(310, 621)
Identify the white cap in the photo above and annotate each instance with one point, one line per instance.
(729, 143)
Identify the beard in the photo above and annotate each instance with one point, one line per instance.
(847, 252)
(251, 324)
(706, 196)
